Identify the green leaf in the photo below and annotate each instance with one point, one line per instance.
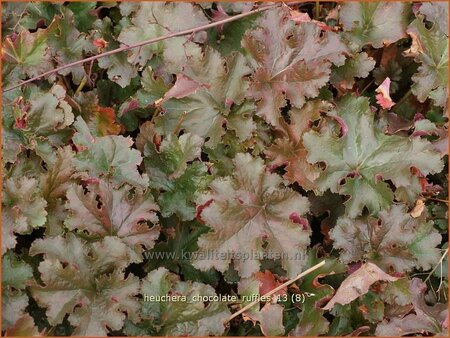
(360, 158)
(23, 209)
(154, 19)
(153, 88)
(42, 113)
(108, 156)
(376, 23)
(220, 94)
(358, 65)
(311, 321)
(177, 251)
(372, 307)
(15, 273)
(174, 169)
(398, 292)
(37, 120)
(247, 209)
(84, 281)
(186, 316)
(11, 16)
(49, 112)
(228, 39)
(395, 240)
(68, 44)
(38, 12)
(26, 54)
(430, 49)
(119, 69)
(82, 12)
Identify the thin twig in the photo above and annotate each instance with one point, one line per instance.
(436, 199)
(278, 288)
(440, 262)
(146, 42)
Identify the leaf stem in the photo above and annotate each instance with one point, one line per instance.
(278, 288)
(145, 42)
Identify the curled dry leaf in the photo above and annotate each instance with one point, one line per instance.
(383, 97)
(357, 284)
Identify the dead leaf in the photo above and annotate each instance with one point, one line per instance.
(418, 208)
(184, 86)
(383, 97)
(268, 282)
(358, 284)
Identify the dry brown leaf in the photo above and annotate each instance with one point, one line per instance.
(358, 284)
(418, 208)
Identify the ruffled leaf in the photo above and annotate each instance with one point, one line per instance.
(395, 240)
(23, 209)
(361, 158)
(107, 211)
(154, 19)
(185, 316)
(215, 102)
(426, 319)
(376, 23)
(84, 281)
(291, 62)
(251, 201)
(108, 156)
(173, 167)
(288, 149)
(430, 49)
(358, 65)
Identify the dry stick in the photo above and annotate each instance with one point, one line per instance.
(278, 288)
(146, 42)
(436, 199)
(440, 262)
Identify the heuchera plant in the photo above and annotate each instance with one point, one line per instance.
(225, 161)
